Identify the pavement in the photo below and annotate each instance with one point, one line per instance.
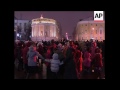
(22, 75)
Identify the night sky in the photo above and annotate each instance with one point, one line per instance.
(67, 19)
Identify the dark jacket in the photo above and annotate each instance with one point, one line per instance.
(70, 71)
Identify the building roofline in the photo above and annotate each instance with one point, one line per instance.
(23, 19)
(91, 21)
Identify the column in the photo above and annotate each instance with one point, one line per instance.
(35, 31)
(54, 31)
(43, 30)
(39, 30)
(32, 31)
(50, 32)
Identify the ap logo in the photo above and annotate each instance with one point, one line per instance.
(98, 15)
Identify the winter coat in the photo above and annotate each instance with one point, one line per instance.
(87, 59)
(70, 69)
(32, 60)
(98, 60)
(55, 63)
(24, 54)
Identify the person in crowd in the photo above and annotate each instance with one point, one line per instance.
(25, 59)
(15, 53)
(61, 58)
(70, 70)
(98, 64)
(32, 61)
(78, 61)
(87, 59)
(87, 63)
(40, 48)
(48, 56)
(93, 48)
(55, 64)
(64, 50)
(19, 56)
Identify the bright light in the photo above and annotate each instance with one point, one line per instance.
(18, 34)
(93, 28)
(66, 33)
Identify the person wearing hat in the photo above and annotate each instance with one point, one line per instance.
(24, 54)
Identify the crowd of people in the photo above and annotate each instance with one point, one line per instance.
(63, 59)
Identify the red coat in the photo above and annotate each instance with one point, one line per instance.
(24, 53)
(48, 56)
(78, 60)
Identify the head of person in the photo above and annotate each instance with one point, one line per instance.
(94, 44)
(34, 46)
(55, 56)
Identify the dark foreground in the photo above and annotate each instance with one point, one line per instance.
(22, 75)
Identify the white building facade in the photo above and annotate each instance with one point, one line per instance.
(44, 29)
(86, 30)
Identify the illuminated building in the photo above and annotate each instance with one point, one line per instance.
(44, 29)
(89, 29)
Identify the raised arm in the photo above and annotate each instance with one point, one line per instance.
(40, 56)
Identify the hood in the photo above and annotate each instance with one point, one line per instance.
(55, 56)
(31, 48)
